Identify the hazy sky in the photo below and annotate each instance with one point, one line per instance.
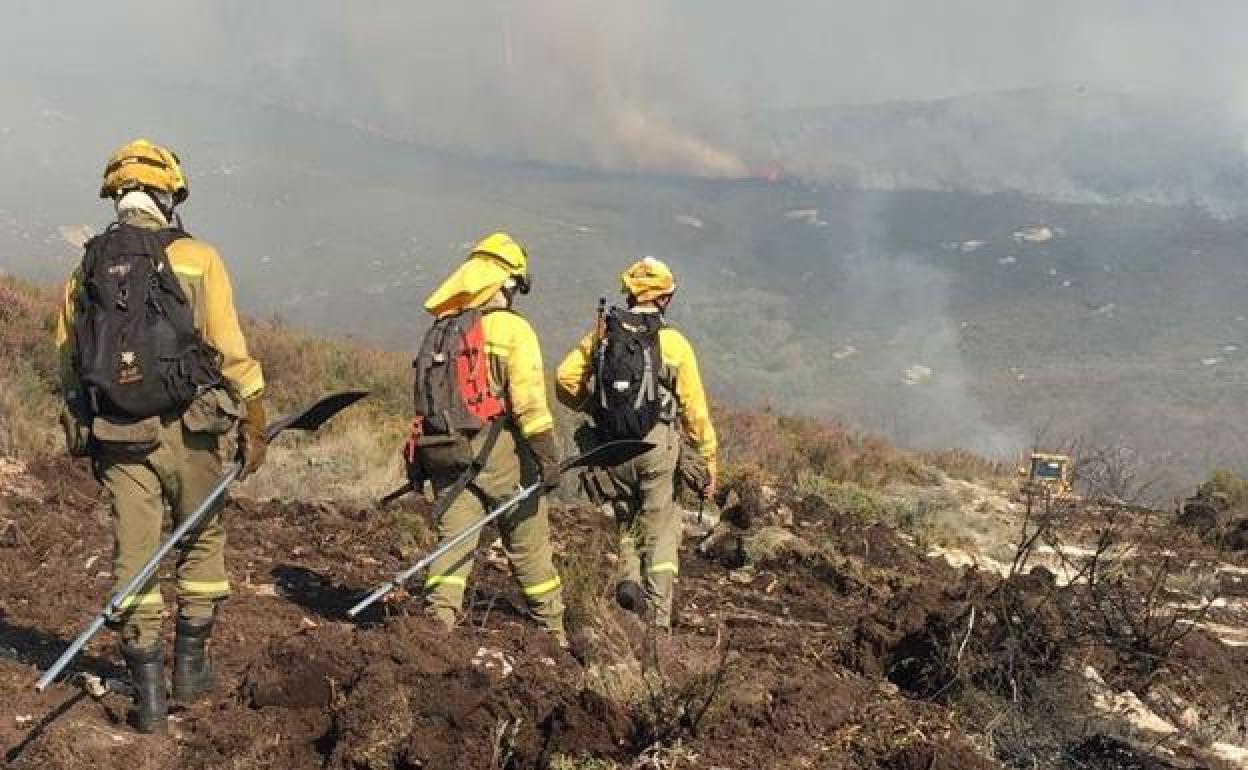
(814, 52)
(643, 83)
(805, 51)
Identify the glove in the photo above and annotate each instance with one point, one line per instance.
(546, 451)
(411, 454)
(77, 429)
(712, 481)
(694, 470)
(251, 441)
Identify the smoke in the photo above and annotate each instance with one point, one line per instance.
(923, 397)
(707, 87)
(597, 84)
(902, 309)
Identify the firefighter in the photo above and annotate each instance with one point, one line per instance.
(158, 432)
(496, 426)
(637, 377)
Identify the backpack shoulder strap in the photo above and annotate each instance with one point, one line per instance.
(484, 311)
(168, 235)
(91, 250)
(158, 242)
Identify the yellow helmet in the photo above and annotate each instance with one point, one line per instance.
(504, 251)
(142, 164)
(647, 280)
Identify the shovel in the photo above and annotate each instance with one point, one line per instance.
(607, 455)
(309, 420)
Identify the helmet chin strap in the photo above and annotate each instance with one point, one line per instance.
(167, 205)
(512, 286)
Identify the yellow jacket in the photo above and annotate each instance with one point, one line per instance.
(516, 369)
(681, 363)
(510, 342)
(202, 274)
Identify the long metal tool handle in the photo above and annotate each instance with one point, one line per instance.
(309, 419)
(140, 578)
(463, 535)
(606, 455)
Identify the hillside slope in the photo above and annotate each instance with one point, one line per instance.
(1111, 323)
(813, 629)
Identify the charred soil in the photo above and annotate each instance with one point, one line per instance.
(845, 650)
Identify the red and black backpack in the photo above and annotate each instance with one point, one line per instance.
(452, 390)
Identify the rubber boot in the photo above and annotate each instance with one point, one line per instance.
(192, 672)
(630, 596)
(147, 673)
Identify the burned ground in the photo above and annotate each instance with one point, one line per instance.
(840, 646)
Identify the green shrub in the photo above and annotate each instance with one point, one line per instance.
(866, 505)
(1224, 481)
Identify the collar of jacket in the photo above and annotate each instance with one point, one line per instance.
(136, 218)
(138, 209)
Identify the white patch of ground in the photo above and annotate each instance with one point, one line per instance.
(1128, 707)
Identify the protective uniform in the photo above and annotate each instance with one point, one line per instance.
(185, 451)
(644, 489)
(515, 372)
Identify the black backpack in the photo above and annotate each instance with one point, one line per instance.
(137, 352)
(452, 389)
(629, 391)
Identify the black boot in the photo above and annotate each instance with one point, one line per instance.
(147, 673)
(192, 673)
(630, 596)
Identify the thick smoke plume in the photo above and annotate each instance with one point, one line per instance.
(597, 84)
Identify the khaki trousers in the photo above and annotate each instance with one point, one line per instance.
(525, 532)
(648, 520)
(179, 472)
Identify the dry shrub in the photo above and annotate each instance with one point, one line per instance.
(788, 448)
(355, 458)
(672, 687)
(356, 455)
(751, 440)
(28, 405)
(968, 466)
(561, 762)
(29, 387)
(27, 321)
(300, 368)
(587, 582)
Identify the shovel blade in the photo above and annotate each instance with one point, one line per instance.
(609, 454)
(316, 415)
